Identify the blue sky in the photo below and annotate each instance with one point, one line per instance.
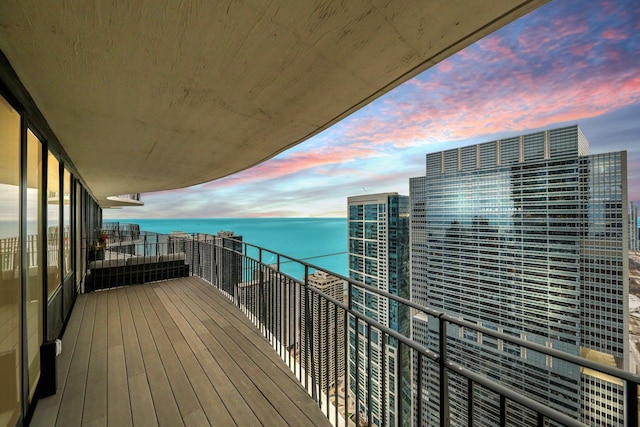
(570, 61)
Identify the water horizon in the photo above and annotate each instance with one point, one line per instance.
(321, 241)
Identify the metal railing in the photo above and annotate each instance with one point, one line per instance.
(362, 372)
(120, 233)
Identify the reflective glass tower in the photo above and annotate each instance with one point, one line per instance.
(527, 236)
(379, 257)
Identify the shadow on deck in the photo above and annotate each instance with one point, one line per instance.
(170, 353)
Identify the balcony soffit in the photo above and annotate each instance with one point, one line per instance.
(156, 95)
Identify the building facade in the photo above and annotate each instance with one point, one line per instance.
(325, 324)
(634, 242)
(379, 257)
(527, 236)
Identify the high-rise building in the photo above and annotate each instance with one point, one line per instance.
(527, 236)
(634, 242)
(325, 332)
(379, 257)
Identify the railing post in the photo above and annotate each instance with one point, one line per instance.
(193, 251)
(469, 402)
(383, 343)
(308, 318)
(419, 389)
(335, 366)
(398, 384)
(346, 367)
(261, 297)
(631, 393)
(369, 373)
(444, 380)
(357, 373)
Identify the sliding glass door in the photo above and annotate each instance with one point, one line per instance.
(10, 272)
(34, 303)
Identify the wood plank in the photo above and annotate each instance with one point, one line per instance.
(118, 401)
(210, 401)
(132, 352)
(165, 405)
(200, 366)
(240, 409)
(47, 408)
(196, 419)
(142, 410)
(141, 402)
(282, 399)
(70, 412)
(156, 315)
(247, 351)
(227, 315)
(171, 353)
(95, 400)
(241, 377)
(224, 310)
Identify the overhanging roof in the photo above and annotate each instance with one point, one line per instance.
(155, 95)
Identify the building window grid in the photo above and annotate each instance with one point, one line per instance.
(556, 187)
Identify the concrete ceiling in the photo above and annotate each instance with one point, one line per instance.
(153, 95)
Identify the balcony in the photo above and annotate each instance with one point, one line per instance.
(240, 341)
(172, 353)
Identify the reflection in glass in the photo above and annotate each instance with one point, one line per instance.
(66, 220)
(78, 243)
(33, 216)
(9, 265)
(53, 224)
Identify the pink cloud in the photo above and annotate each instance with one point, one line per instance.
(608, 7)
(493, 46)
(566, 27)
(581, 50)
(444, 66)
(492, 106)
(295, 162)
(614, 34)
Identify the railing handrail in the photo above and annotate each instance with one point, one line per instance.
(244, 251)
(484, 381)
(577, 360)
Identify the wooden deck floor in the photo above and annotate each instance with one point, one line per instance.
(170, 353)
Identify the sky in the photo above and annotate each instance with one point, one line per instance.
(568, 62)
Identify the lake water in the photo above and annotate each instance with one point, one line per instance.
(318, 241)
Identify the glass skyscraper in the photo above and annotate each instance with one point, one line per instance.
(379, 257)
(527, 236)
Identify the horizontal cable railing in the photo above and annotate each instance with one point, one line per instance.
(363, 372)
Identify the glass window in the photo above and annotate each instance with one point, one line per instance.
(34, 213)
(53, 224)
(66, 221)
(79, 260)
(10, 313)
(371, 212)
